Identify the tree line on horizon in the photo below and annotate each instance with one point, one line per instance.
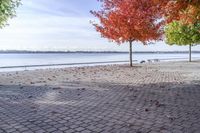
(175, 21)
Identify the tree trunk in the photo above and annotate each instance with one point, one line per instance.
(190, 53)
(131, 54)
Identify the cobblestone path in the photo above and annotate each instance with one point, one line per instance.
(151, 107)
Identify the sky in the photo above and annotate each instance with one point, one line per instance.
(63, 25)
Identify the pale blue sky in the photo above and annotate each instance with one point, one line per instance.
(62, 25)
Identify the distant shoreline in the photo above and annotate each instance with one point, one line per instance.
(119, 52)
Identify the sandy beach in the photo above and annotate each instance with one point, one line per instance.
(157, 97)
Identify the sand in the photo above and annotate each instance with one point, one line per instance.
(172, 72)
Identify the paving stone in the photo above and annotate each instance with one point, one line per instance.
(79, 129)
(86, 131)
(160, 104)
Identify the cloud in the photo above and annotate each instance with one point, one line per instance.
(42, 25)
(47, 7)
(61, 25)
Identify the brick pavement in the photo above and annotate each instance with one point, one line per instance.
(151, 107)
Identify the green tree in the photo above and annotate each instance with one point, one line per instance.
(178, 33)
(7, 10)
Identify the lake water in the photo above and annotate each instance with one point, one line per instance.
(55, 60)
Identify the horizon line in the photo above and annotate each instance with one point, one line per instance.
(31, 51)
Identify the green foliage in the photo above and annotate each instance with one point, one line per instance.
(7, 10)
(178, 33)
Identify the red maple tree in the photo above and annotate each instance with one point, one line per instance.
(129, 20)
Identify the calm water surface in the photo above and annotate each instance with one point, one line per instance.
(28, 59)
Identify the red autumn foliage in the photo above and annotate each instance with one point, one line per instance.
(136, 20)
(142, 20)
(187, 11)
(129, 20)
